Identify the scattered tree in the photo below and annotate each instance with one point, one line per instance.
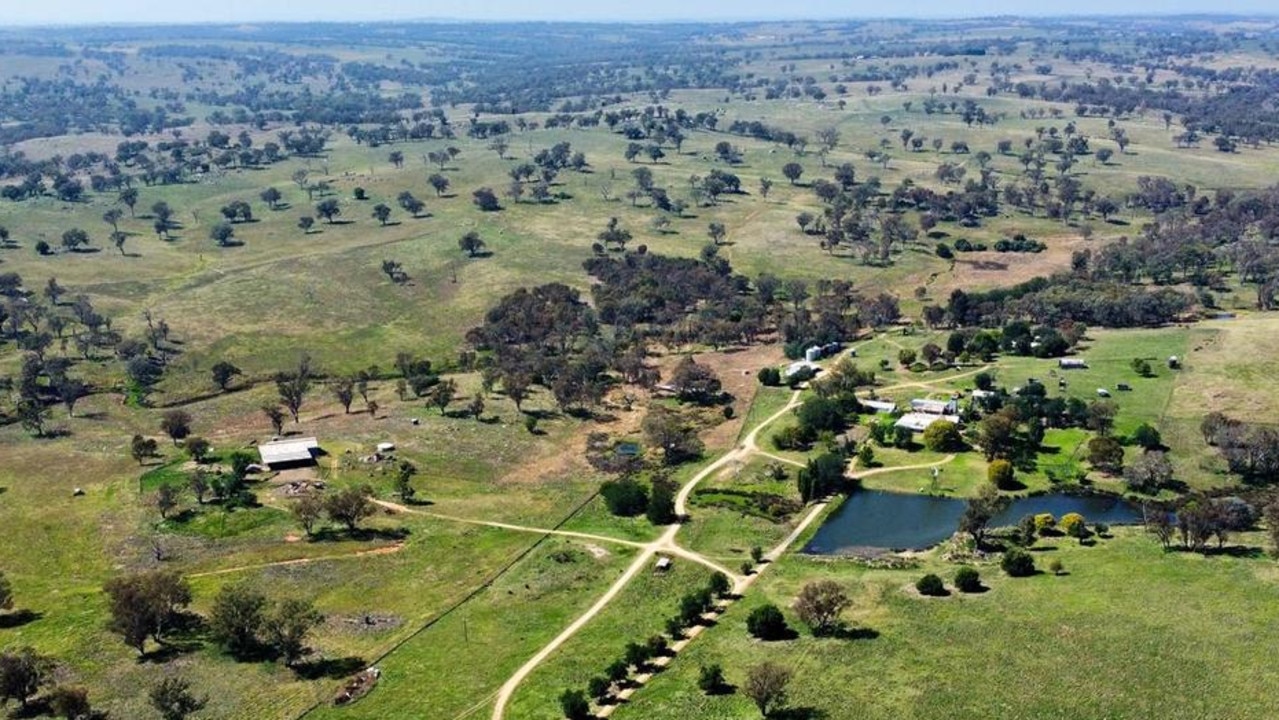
(237, 617)
(820, 604)
(766, 686)
(176, 424)
(349, 506)
(173, 699)
(223, 372)
(471, 243)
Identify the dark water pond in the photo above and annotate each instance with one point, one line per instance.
(900, 521)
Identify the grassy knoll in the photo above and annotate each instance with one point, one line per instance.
(1102, 641)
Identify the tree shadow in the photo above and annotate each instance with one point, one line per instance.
(799, 713)
(360, 534)
(844, 632)
(785, 635)
(722, 689)
(1235, 551)
(18, 618)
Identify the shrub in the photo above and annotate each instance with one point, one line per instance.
(866, 455)
(719, 585)
(574, 705)
(624, 497)
(599, 687)
(930, 585)
(906, 357)
(1056, 567)
(769, 376)
(1045, 524)
(1000, 473)
(918, 367)
(942, 436)
(1018, 563)
(1073, 524)
(944, 252)
(710, 679)
(766, 622)
(1147, 437)
(967, 580)
(757, 554)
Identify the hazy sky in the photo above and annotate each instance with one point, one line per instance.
(27, 12)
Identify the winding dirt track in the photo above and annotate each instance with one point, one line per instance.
(664, 544)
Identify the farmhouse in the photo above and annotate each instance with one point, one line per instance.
(934, 407)
(1072, 364)
(919, 421)
(294, 452)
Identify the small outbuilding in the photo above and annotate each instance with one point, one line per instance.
(880, 406)
(798, 367)
(385, 447)
(1103, 392)
(1072, 364)
(293, 452)
(663, 564)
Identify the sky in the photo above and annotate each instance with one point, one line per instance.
(66, 12)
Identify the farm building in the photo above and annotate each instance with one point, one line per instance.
(293, 452)
(880, 406)
(919, 421)
(934, 407)
(797, 367)
(1072, 364)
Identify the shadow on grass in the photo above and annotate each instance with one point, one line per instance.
(799, 713)
(1235, 551)
(332, 668)
(18, 618)
(360, 534)
(844, 632)
(784, 635)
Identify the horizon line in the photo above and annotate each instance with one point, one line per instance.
(746, 19)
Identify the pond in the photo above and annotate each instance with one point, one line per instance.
(878, 520)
